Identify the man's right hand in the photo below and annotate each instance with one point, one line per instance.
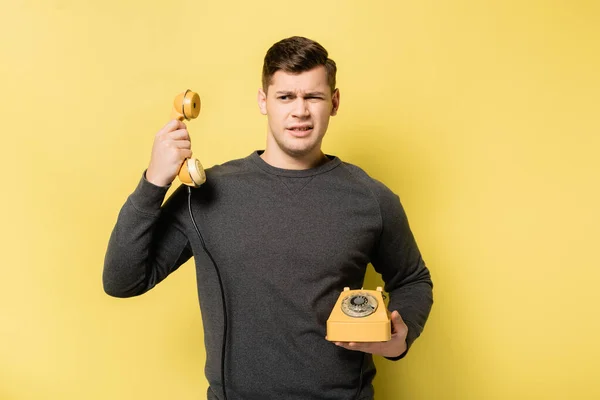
(171, 147)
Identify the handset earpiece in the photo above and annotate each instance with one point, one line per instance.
(186, 107)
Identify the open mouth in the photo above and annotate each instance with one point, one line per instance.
(300, 131)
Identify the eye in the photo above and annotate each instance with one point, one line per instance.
(284, 97)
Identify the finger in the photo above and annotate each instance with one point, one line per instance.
(180, 134)
(398, 323)
(172, 125)
(182, 144)
(355, 346)
(345, 345)
(185, 153)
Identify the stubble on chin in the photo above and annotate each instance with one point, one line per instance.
(297, 151)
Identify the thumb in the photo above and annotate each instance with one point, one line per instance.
(397, 321)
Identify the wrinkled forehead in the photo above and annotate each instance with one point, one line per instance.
(314, 80)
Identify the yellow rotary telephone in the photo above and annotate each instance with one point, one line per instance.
(359, 316)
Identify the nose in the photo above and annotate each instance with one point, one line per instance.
(300, 109)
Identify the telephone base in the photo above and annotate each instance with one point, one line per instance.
(352, 332)
(359, 316)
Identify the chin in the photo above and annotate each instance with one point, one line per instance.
(297, 147)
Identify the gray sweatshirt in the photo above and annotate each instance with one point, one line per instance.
(286, 243)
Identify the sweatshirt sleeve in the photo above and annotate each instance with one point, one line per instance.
(398, 259)
(146, 244)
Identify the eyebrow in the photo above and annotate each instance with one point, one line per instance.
(288, 93)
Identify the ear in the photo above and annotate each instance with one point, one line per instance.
(261, 98)
(335, 100)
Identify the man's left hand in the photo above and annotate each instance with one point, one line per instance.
(392, 348)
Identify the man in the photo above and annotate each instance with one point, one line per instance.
(287, 228)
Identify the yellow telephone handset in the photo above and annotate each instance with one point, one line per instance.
(185, 107)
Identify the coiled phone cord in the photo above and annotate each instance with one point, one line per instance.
(222, 292)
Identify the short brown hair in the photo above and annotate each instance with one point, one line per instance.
(294, 55)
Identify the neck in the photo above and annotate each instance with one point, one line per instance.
(285, 161)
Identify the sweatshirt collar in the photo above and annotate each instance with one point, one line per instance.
(332, 162)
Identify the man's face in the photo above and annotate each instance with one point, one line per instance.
(298, 107)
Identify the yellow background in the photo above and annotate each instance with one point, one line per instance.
(482, 115)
